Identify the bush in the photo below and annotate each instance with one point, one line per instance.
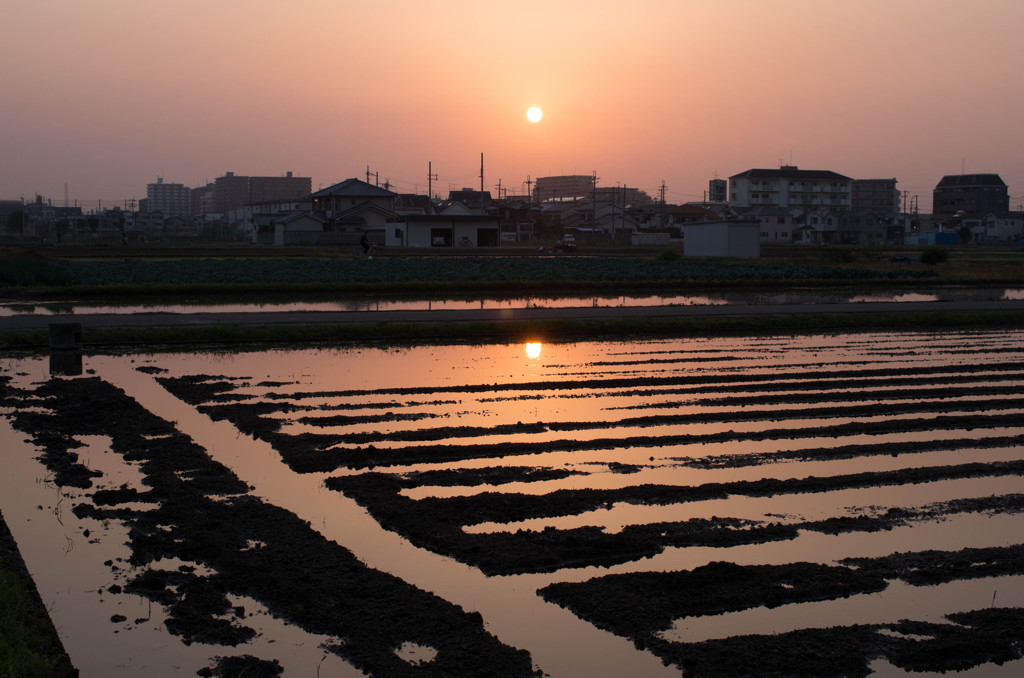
(934, 255)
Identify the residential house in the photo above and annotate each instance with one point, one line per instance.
(299, 228)
(476, 201)
(245, 220)
(343, 196)
(989, 228)
(679, 215)
(777, 224)
(354, 206)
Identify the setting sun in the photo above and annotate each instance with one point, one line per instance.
(533, 350)
(534, 114)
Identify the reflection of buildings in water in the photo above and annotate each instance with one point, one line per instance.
(533, 350)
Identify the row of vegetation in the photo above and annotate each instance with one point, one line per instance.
(425, 270)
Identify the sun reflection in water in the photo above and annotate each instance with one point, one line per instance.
(533, 350)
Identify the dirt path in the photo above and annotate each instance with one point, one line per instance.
(40, 322)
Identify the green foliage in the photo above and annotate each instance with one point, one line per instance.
(845, 255)
(670, 254)
(21, 654)
(27, 272)
(16, 222)
(436, 270)
(934, 255)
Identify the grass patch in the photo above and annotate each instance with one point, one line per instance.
(22, 646)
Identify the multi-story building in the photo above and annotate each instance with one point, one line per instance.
(569, 186)
(622, 195)
(718, 190)
(288, 187)
(791, 187)
(171, 200)
(875, 196)
(232, 191)
(204, 199)
(970, 193)
(229, 192)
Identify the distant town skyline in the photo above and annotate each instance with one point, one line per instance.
(107, 96)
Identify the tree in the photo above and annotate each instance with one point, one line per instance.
(934, 255)
(16, 221)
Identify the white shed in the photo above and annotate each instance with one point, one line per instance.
(737, 238)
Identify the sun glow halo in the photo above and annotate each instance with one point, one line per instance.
(534, 114)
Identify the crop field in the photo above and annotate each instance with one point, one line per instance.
(424, 270)
(826, 505)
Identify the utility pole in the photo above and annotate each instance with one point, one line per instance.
(661, 223)
(593, 225)
(376, 178)
(623, 209)
(431, 178)
(481, 183)
(367, 174)
(529, 205)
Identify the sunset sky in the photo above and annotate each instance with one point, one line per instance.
(107, 95)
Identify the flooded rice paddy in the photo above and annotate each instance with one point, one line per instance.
(841, 505)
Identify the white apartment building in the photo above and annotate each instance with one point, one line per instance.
(790, 187)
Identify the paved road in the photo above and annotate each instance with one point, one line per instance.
(39, 322)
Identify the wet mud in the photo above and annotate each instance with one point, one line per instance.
(439, 523)
(970, 639)
(392, 449)
(640, 606)
(237, 545)
(309, 452)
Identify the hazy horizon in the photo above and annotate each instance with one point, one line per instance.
(106, 96)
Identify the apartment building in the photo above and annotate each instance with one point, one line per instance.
(970, 193)
(875, 196)
(171, 200)
(569, 186)
(232, 191)
(791, 187)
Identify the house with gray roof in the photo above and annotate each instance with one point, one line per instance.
(343, 196)
(353, 207)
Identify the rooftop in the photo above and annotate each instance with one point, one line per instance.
(791, 172)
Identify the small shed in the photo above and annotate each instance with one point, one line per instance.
(737, 238)
(451, 230)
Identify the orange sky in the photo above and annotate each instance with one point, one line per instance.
(106, 95)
